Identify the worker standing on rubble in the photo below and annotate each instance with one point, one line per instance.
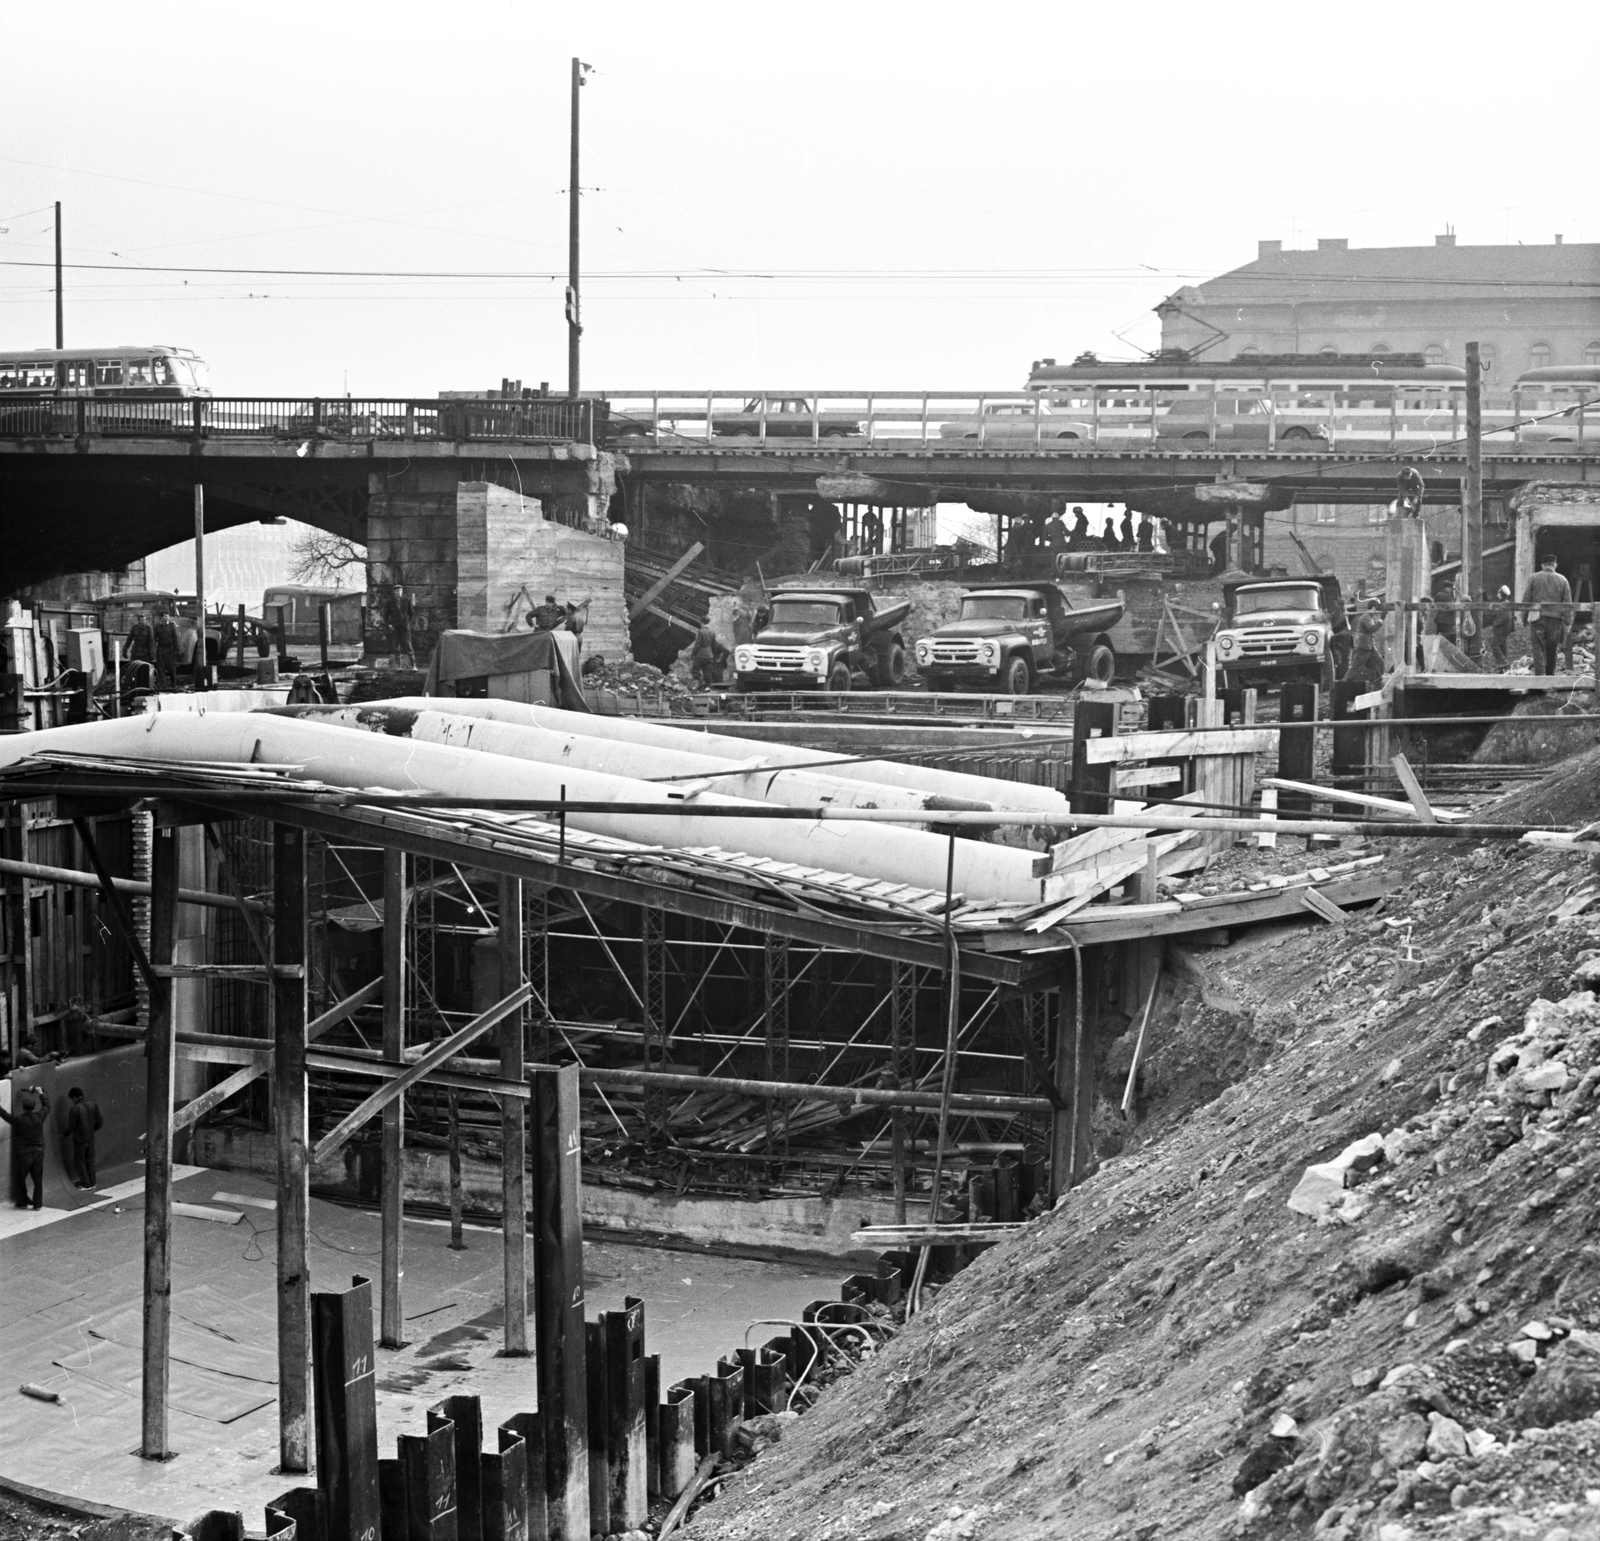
(1366, 654)
(166, 651)
(28, 1126)
(1548, 601)
(141, 640)
(706, 659)
(1502, 619)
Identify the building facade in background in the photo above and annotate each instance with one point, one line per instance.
(1528, 306)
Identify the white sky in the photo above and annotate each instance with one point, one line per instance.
(1119, 151)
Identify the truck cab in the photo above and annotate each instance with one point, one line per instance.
(820, 637)
(1009, 637)
(1276, 629)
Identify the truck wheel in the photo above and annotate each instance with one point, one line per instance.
(1016, 676)
(838, 678)
(890, 667)
(1102, 663)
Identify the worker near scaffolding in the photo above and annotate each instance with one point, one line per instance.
(1548, 601)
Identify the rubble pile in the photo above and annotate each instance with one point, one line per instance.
(625, 679)
(1201, 1340)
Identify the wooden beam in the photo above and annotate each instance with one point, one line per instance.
(513, 1125)
(396, 902)
(341, 1132)
(160, 1053)
(290, 1117)
(642, 603)
(196, 1109)
(1408, 779)
(1313, 901)
(1119, 749)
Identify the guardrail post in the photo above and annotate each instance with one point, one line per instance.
(678, 1452)
(197, 416)
(627, 1486)
(346, 1409)
(316, 415)
(428, 1469)
(529, 1428)
(504, 1478)
(463, 1416)
(560, 1348)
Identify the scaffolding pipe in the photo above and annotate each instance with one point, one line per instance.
(78, 879)
(961, 787)
(865, 1096)
(663, 817)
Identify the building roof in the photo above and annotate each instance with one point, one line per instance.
(1336, 271)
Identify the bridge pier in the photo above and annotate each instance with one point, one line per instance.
(446, 552)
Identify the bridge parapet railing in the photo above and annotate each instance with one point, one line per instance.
(308, 419)
(1305, 417)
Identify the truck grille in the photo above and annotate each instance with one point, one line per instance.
(779, 660)
(956, 653)
(1268, 644)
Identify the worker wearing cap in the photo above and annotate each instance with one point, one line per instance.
(1502, 619)
(1548, 601)
(28, 1126)
(549, 616)
(84, 1122)
(166, 652)
(1366, 651)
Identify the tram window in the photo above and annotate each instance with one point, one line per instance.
(78, 371)
(108, 371)
(10, 377)
(139, 372)
(38, 377)
(164, 373)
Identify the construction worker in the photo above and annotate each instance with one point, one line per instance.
(83, 1123)
(28, 1126)
(141, 640)
(1502, 619)
(549, 616)
(577, 619)
(1547, 601)
(706, 660)
(1366, 652)
(1055, 531)
(166, 634)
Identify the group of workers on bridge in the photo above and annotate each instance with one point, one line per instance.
(1055, 535)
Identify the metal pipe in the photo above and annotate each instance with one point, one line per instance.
(962, 786)
(77, 879)
(851, 1096)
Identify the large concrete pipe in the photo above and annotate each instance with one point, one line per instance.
(339, 757)
(621, 757)
(964, 789)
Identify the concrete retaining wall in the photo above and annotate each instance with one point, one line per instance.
(114, 1080)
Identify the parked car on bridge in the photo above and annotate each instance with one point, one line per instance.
(783, 417)
(1240, 418)
(1017, 424)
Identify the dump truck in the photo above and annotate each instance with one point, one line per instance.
(1009, 636)
(1278, 629)
(820, 636)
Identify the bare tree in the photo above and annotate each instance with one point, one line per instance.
(321, 558)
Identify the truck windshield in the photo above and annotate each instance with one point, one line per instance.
(1290, 597)
(804, 612)
(994, 607)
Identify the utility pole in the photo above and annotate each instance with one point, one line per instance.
(1472, 485)
(60, 329)
(574, 325)
(201, 674)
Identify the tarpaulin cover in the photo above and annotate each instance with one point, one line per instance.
(474, 654)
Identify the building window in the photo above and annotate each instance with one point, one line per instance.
(1251, 352)
(1433, 353)
(1379, 347)
(1326, 513)
(1539, 356)
(1328, 350)
(1591, 354)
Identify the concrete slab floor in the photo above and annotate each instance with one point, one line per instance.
(70, 1301)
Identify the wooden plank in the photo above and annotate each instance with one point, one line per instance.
(1408, 779)
(1122, 748)
(161, 1047)
(1146, 776)
(1313, 901)
(664, 582)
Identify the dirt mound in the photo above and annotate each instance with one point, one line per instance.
(1570, 794)
(1175, 1351)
